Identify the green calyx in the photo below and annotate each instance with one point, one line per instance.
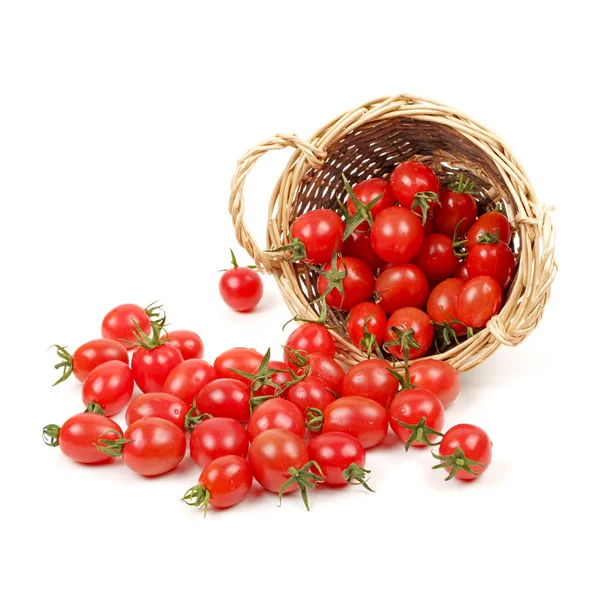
(334, 276)
(304, 478)
(94, 408)
(405, 340)
(235, 263)
(368, 343)
(424, 200)
(463, 186)
(197, 496)
(445, 335)
(488, 237)
(113, 448)
(455, 462)
(50, 435)
(155, 312)
(296, 250)
(498, 207)
(66, 363)
(362, 214)
(420, 433)
(458, 245)
(194, 417)
(149, 342)
(403, 380)
(356, 475)
(313, 419)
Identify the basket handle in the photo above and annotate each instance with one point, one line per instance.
(314, 156)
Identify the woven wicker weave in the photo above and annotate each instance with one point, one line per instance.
(370, 141)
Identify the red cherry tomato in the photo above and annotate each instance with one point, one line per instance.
(225, 398)
(110, 385)
(400, 286)
(369, 314)
(436, 257)
(277, 382)
(441, 305)
(240, 287)
(310, 338)
(78, 437)
(461, 271)
(455, 208)
(187, 342)
(188, 378)
(241, 359)
(276, 413)
(357, 283)
(371, 379)
(157, 404)
(422, 414)
(410, 178)
(322, 367)
(358, 245)
(418, 321)
(217, 437)
(118, 323)
(492, 222)
(397, 235)
(494, 260)
(319, 233)
(479, 300)
(366, 192)
(310, 393)
(437, 376)
(462, 446)
(363, 419)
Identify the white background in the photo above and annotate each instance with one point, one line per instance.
(120, 126)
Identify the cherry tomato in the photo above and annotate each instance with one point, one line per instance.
(479, 300)
(225, 398)
(422, 414)
(494, 259)
(436, 257)
(400, 286)
(87, 357)
(276, 413)
(158, 404)
(340, 456)
(310, 338)
(78, 437)
(397, 235)
(357, 283)
(310, 393)
(240, 287)
(358, 245)
(410, 178)
(118, 323)
(187, 342)
(318, 232)
(217, 437)
(323, 367)
(363, 419)
(223, 484)
(110, 385)
(277, 382)
(418, 321)
(369, 314)
(455, 208)
(366, 192)
(492, 222)
(241, 359)
(441, 305)
(461, 271)
(188, 378)
(462, 446)
(371, 379)
(437, 376)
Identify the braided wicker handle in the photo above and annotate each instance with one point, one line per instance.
(314, 156)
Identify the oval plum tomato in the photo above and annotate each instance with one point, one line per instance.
(78, 437)
(277, 382)
(411, 178)
(276, 413)
(225, 398)
(409, 318)
(416, 417)
(371, 379)
(441, 305)
(492, 222)
(309, 338)
(151, 446)
(369, 315)
(397, 235)
(321, 366)
(353, 280)
(367, 192)
(118, 324)
(223, 484)
(341, 458)
(461, 271)
(358, 245)
(491, 257)
(240, 287)
(454, 208)
(465, 452)
(157, 404)
(187, 342)
(400, 286)
(363, 419)
(437, 376)
(188, 378)
(479, 300)
(310, 392)
(436, 257)
(315, 235)
(240, 359)
(217, 437)
(87, 357)
(110, 385)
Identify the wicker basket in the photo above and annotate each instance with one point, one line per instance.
(369, 141)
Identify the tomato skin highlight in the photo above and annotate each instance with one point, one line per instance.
(418, 321)
(241, 288)
(400, 286)
(410, 406)
(213, 438)
(225, 398)
(358, 245)
(479, 300)
(276, 413)
(494, 260)
(157, 404)
(320, 231)
(118, 324)
(334, 452)
(437, 376)
(441, 305)
(371, 379)
(411, 177)
(492, 222)
(367, 191)
(242, 359)
(474, 442)
(397, 235)
(455, 208)
(188, 378)
(375, 319)
(310, 393)
(436, 257)
(190, 344)
(358, 283)
(228, 480)
(94, 353)
(310, 338)
(110, 385)
(152, 367)
(363, 419)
